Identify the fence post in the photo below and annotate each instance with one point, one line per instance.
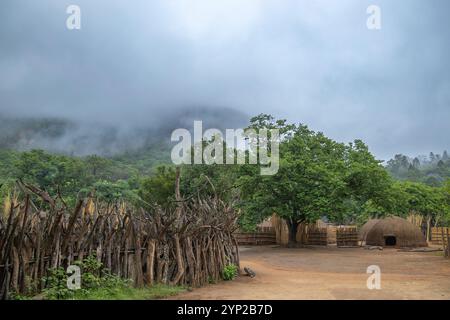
(447, 252)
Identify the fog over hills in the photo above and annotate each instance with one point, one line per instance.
(136, 66)
(81, 138)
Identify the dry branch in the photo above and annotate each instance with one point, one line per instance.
(188, 245)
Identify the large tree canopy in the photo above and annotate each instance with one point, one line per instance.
(317, 177)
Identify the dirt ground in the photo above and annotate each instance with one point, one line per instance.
(332, 273)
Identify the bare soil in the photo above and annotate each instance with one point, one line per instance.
(332, 273)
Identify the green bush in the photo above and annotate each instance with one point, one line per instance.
(229, 272)
(94, 277)
(56, 285)
(97, 283)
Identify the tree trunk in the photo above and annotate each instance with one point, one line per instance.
(292, 232)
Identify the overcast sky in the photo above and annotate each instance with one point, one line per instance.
(315, 62)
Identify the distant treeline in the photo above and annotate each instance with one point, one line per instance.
(112, 178)
(432, 170)
(318, 178)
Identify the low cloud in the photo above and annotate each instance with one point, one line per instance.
(134, 65)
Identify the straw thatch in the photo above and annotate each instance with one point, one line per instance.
(307, 233)
(282, 232)
(394, 231)
(366, 228)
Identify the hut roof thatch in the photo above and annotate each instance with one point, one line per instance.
(362, 234)
(394, 231)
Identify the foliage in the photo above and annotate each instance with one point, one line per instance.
(51, 171)
(317, 177)
(367, 184)
(219, 180)
(423, 199)
(446, 192)
(112, 191)
(432, 170)
(159, 188)
(68, 175)
(107, 287)
(229, 272)
(56, 285)
(305, 185)
(98, 167)
(129, 293)
(93, 277)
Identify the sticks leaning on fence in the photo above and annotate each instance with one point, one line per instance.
(445, 242)
(189, 245)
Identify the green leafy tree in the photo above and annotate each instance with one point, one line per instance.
(159, 188)
(97, 166)
(112, 191)
(430, 202)
(210, 180)
(317, 177)
(446, 191)
(367, 184)
(52, 172)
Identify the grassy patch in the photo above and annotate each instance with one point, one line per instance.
(98, 283)
(130, 293)
(439, 253)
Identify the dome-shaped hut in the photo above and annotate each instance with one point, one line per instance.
(362, 234)
(394, 232)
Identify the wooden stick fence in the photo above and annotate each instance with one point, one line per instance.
(255, 238)
(347, 236)
(316, 236)
(439, 235)
(189, 245)
(445, 236)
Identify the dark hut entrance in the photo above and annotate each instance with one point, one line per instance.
(390, 241)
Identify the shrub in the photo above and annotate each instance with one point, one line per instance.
(93, 278)
(56, 285)
(229, 272)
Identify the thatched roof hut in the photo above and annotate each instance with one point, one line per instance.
(362, 234)
(393, 231)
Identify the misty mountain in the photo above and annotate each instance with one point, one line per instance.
(433, 169)
(80, 138)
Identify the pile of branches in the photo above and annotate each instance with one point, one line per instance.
(187, 245)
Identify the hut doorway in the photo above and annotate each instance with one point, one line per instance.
(390, 241)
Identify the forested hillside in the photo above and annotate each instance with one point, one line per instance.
(318, 177)
(432, 170)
